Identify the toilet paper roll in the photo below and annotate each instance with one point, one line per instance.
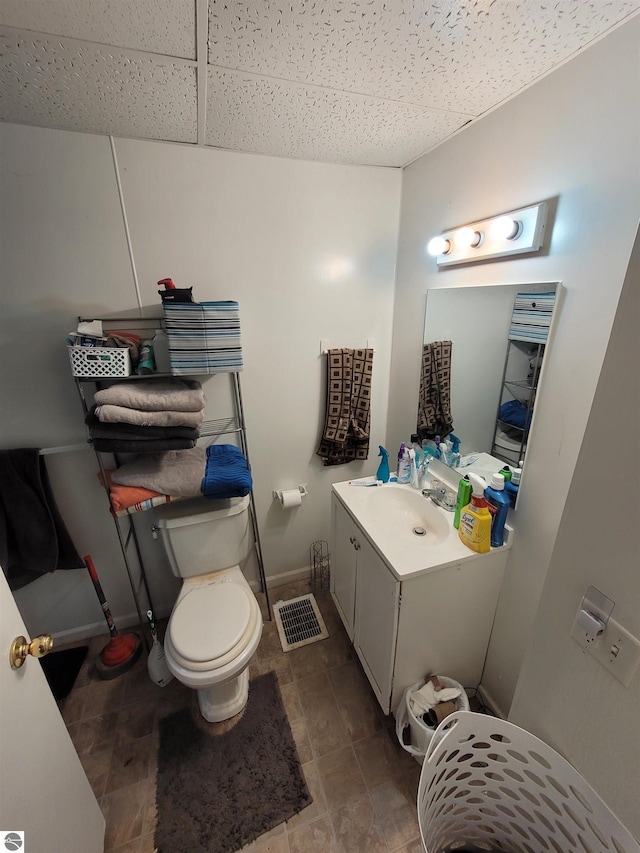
(290, 498)
(439, 712)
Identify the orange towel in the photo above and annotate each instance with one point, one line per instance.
(122, 497)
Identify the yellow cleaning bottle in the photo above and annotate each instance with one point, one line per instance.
(475, 518)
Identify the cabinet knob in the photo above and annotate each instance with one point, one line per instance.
(356, 544)
(352, 539)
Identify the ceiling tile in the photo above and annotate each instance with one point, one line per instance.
(464, 56)
(79, 86)
(158, 26)
(251, 113)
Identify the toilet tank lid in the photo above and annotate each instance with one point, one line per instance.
(198, 511)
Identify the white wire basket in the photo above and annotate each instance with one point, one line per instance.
(100, 362)
(487, 785)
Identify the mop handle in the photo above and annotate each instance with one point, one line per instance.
(101, 597)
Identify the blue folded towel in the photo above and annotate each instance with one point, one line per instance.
(226, 473)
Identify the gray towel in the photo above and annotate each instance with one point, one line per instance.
(169, 395)
(177, 472)
(108, 414)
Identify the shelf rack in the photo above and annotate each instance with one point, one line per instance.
(529, 385)
(234, 424)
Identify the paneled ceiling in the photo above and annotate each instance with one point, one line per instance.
(376, 82)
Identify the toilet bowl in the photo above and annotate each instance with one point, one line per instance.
(215, 625)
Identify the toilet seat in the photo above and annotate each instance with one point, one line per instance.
(211, 625)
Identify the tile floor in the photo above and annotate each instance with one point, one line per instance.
(363, 784)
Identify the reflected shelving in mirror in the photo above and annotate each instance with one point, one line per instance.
(483, 330)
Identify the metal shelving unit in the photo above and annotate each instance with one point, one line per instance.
(517, 389)
(234, 424)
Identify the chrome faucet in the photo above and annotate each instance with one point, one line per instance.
(441, 496)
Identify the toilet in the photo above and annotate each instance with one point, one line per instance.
(216, 624)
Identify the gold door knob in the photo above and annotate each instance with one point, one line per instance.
(20, 648)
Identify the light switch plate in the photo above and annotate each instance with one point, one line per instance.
(616, 649)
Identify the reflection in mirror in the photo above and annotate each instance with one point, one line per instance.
(498, 338)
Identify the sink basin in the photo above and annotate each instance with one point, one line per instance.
(410, 532)
(407, 513)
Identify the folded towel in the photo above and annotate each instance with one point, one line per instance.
(227, 474)
(131, 432)
(156, 445)
(110, 414)
(125, 500)
(177, 472)
(33, 536)
(168, 395)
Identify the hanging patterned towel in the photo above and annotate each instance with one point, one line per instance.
(346, 431)
(434, 403)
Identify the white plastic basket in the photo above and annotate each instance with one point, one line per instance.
(487, 785)
(100, 362)
(422, 732)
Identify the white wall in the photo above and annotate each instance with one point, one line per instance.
(571, 137)
(307, 249)
(564, 694)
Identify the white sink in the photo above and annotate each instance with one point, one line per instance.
(407, 512)
(410, 532)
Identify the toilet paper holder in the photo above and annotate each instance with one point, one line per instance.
(277, 494)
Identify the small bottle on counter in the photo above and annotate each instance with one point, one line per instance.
(498, 505)
(160, 344)
(146, 363)
(513, 485)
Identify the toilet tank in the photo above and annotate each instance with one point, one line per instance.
(204, 535)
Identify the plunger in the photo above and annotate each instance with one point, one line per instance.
(122, 650)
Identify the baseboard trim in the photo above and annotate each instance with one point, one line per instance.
(131, 620)
(282, 578)
(93, 629)
(490, 703)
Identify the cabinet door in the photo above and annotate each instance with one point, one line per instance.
(376, 620)
(343, 564)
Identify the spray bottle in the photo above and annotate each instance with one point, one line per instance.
(475, 519)
(383, 468)
(454, 455)
(464, 497)
(156, 662)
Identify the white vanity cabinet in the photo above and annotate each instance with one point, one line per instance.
(404, 628)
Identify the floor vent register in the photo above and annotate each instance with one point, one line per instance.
(299, 622)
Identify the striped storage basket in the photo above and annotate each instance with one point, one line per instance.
(531, 317)
(204, 337)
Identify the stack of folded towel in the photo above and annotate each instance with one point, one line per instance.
(219, 471)
(146, 416)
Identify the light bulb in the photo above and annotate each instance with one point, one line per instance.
(466, 238)
(438, 246)
(505, 228)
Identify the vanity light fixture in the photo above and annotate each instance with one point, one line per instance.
(439, 246)
(515, 233)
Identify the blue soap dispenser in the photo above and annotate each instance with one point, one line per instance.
(383, 467)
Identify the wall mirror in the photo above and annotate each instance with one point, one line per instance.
(499, 335)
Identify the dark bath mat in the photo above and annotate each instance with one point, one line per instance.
(216, 793)
(61, 669)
